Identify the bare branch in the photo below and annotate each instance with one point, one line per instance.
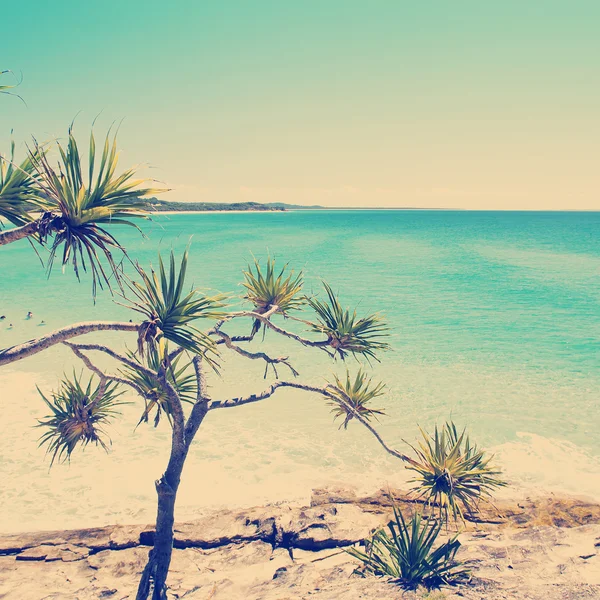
(173, 355)
(200, 408)
(85, 359)
(176, 409)
(14, 353)
(317, 390)
(267, 323)
(258, 355)
(201, 385)
(90, 365)
(18, 233)
(248, 399)
(126, 361)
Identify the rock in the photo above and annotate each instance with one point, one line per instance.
(279, 572)
(64, 552)
(220, 529)
(124, 536)
(287, 552)
(96, 539)
(317, 529)
(70, 553)
(36, 553)
(322, 496)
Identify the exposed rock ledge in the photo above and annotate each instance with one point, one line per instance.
(540, 548)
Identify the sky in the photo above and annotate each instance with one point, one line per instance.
(470, 104)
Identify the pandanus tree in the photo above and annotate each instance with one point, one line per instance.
(180, 334)
(68, 213)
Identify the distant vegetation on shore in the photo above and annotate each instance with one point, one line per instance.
(165, 205)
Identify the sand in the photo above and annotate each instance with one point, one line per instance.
(539, 549)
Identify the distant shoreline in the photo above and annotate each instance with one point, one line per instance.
(220, 212)
(379, 209)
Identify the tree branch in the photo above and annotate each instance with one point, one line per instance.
(200, 407)
(176, 410)
(90, 365)
(317, 390)
(265, 319)
(18, 233)
(126, 361)
(258, 355)
(14, 353)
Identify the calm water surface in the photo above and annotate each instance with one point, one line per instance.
(496, 324)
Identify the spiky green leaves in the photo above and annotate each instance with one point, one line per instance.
(80, 203)
(345, 331)
(170, 312)
(178, 372)
(79, 412)
(407, 552)
(353, 397)
(266, 289)
(19, 192)
(453, 474)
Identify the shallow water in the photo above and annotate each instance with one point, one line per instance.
(495, 322)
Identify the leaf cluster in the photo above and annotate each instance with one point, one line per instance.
(266, 289)
(354, 396)
(19, 189)
(345, 331)
(178, 373)
(82, 202)
(170, 312)
(453, 474)
(407, 553)
(79, 411)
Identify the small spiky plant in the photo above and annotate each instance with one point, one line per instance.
(356, 394)
(406, 552)
(82, 204)
(268, 289)
(453, 474)
(170, 312)
(346, 332)
(178, 373)
(19, 192)
(79, 412)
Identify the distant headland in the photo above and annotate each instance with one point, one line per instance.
(166, 205)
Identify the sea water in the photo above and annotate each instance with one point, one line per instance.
(495, 325)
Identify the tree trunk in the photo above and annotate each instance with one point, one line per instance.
(18, 233)
(156, 570)
(159, 559)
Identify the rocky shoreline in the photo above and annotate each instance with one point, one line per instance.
(546, 548)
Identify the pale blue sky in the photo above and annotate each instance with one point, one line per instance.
(382, 103)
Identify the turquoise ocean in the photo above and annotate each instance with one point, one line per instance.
(495, 319)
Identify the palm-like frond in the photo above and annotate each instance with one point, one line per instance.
(19, 190)
(267, 289)
(453, 474)
(82, 203)
(78, 413)
(356, 394)
(407, 553)
(5, 88)
(170, 312)
(179, 373)
(346, 332)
